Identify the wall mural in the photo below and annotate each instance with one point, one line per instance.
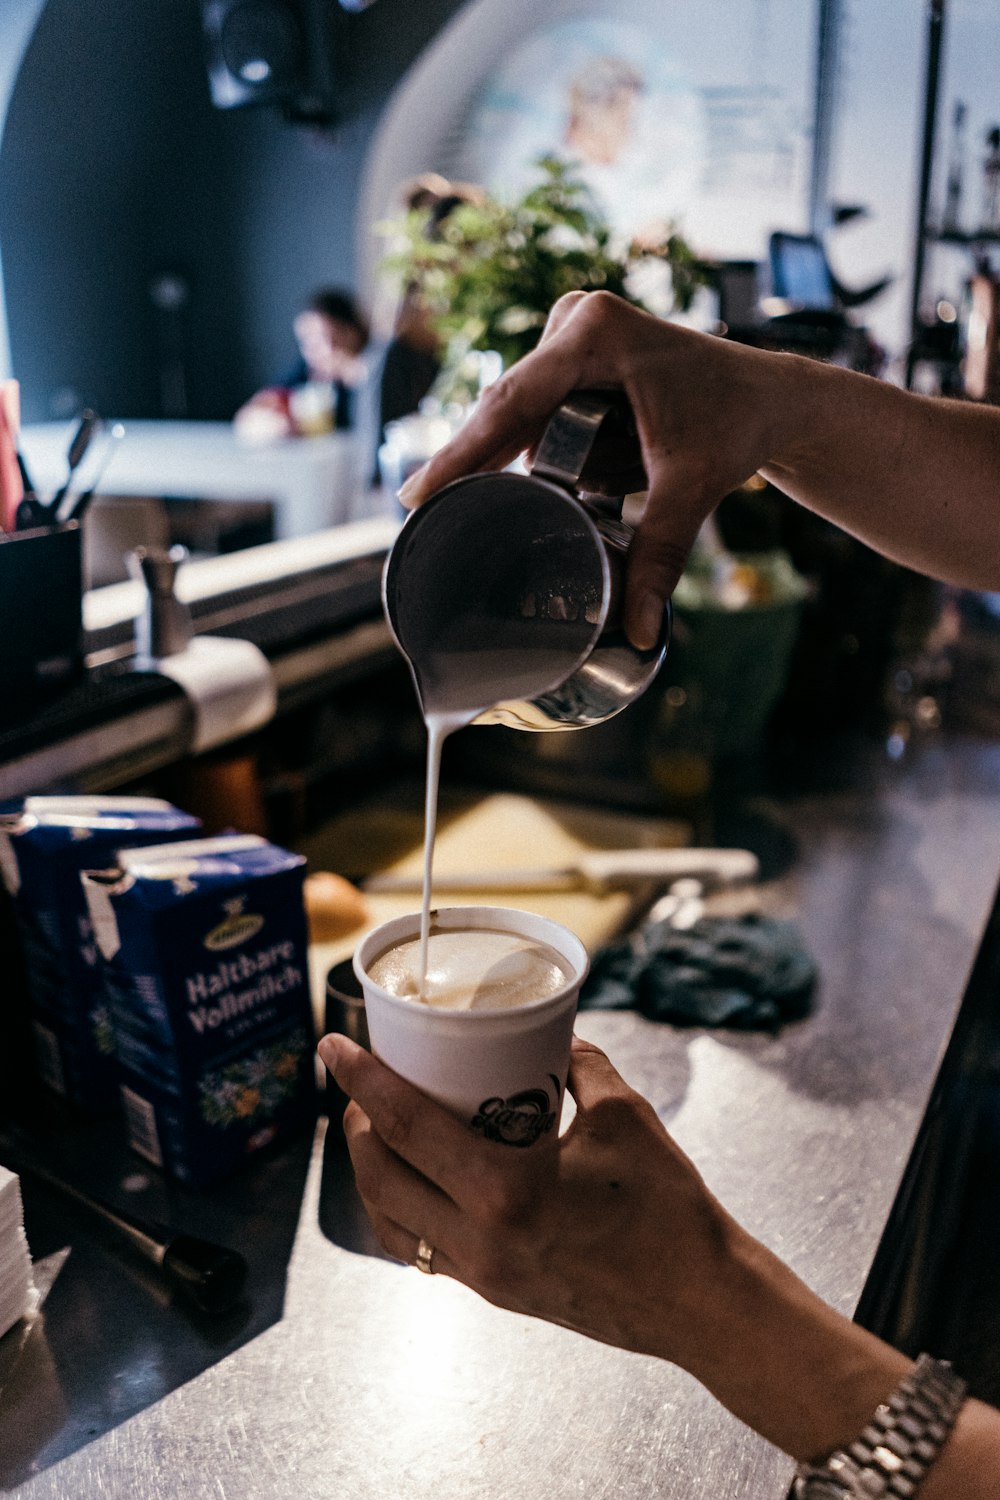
(660, 131)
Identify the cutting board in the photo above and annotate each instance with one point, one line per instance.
(475, 832)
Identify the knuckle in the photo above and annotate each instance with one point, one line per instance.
(560, 310)
(505, 1201)
(501, 400)
(387, 1238)
(612, 1118)
(396, 1125)
(357, 1132)
(367, 1177)
(583, 1048)
(666, 554)
(602, 337)
(599, 308)
(694, 483)
(569, 300)
(388, 1234)
(663, 541)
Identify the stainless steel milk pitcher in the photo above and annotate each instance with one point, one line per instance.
(505, 591)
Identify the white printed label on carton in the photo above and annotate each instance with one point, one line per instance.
(81, 807)
(102, 917)
(142, 859)
(9, 870)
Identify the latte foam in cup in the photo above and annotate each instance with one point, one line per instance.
(472, 969)
(490, 1038)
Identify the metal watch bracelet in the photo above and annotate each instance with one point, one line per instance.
(892, 1455)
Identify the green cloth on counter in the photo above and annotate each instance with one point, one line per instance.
(749, 973)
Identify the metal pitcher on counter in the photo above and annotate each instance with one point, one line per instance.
(516, 582)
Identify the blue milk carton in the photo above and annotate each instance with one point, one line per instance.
(45, 843)
(207, 969)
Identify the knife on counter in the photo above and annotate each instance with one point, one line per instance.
(602, 870)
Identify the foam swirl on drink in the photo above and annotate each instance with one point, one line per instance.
(472, 969)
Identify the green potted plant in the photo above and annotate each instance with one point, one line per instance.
(493, 269)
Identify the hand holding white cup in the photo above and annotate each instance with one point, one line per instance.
(493, 1047)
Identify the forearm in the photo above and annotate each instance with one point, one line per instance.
(809, 1380)
(804, 1377)
(916, 477)
(614, 1234)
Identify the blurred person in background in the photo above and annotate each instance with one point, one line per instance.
(318, 394)
(413, 354)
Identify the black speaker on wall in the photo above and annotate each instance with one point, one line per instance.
(277, 52)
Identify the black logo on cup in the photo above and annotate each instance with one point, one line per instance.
(519, 1120)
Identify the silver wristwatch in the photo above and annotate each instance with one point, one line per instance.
(893, 1454)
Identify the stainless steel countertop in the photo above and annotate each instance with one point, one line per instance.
(378, 1382)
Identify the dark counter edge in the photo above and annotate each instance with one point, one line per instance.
(319, 628)
(934, 1284)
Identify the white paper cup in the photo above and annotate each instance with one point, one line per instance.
(503, 1071)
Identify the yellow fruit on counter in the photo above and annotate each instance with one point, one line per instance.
(334, 907)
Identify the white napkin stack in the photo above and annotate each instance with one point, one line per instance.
(17, 1289)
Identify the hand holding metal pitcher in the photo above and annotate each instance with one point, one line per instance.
(505, 590)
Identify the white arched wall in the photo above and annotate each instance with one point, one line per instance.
(19, 21)
(420, 126)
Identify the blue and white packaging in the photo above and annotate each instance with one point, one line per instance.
(45, 843)
(206, 954)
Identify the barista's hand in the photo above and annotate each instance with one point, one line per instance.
(610, 1231)
(705, 411)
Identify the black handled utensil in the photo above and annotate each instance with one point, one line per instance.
(83, 500)
(211, 1276)
(32, 513)
(79, 444)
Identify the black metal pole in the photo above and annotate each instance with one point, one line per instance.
(828, 28)
(935, 40)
